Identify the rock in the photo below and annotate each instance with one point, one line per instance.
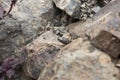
(106, 36)
(107, 19)
(96, 9)
(27, 10)
(103, 30)
(76, 10)
(103, 2)
(60, 31)
(21, 76)
(76, 29)
(33, 18)
(25, 24)
(108, 43)
(40, 53)
(11, 38)
(11, 41)
(79, 60)
(69, 6)
(65, 39)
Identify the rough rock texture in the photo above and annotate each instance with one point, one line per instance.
(32, 18)
(78, 10)
(11, 41)
(69, 6)
(106, 18)
(79, 60)
(11, 38)
(40, 53)
(28, 9)
(106, 21)
(107, 25)
(108, 43)
(26, 23)
(76, 30)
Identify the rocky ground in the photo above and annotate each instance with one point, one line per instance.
(60, 40)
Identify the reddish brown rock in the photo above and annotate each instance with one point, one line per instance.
(108, 43)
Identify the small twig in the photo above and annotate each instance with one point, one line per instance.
(13, 2)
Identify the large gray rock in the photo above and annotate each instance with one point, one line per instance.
(107, 18)
(11, 41)
(29, 10)
(79, 60)
(33, 15)
(25, 24)
(78, 9)
(11, 38)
